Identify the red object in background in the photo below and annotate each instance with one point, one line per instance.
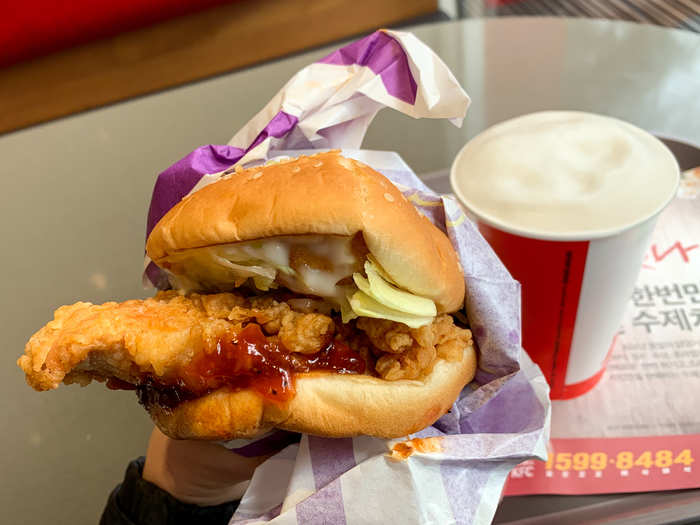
(551, 275)
(32, 28)
(611, 465)
(496, 3)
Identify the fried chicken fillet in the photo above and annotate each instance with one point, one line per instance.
(160, 338)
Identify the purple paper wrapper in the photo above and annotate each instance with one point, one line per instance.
(499, 420)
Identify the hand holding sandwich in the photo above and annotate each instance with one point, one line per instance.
(180, 481)
(199, 472)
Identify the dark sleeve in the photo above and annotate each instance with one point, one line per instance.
(139, 502)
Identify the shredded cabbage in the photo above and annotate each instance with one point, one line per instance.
(347, 313)
(379, 299)
(265, 264)
(380, 270)
(363, 304)
(211, 267)
(381, 291)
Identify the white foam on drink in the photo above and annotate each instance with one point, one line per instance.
(564, 174)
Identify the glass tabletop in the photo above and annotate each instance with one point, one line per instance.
(76, 191)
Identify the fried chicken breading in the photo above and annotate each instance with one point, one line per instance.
(125, 340)
(406, 353)
(158, 337)
(302, 332)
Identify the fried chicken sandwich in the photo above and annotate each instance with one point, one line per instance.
(306, 295)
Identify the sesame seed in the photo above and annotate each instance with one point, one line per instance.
(389, 197)
(256, 175)
(345, 163)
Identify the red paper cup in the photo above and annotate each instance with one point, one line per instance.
(577, 270)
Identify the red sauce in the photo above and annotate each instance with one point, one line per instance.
(248, 359)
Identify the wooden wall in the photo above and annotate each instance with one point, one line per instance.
(184, 49)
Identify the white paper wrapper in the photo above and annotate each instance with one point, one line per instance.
(500, 419)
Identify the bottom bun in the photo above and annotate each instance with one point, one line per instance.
(325, 404)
